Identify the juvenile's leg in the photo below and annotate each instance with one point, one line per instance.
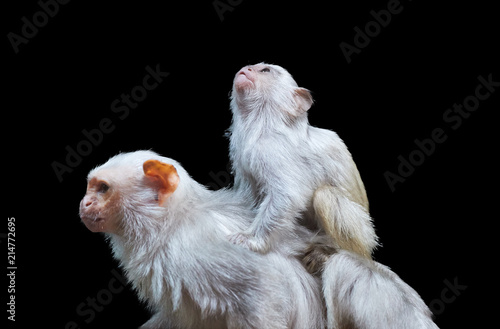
(346, 221)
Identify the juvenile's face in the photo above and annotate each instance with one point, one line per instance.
(262, 77)
(270, 86)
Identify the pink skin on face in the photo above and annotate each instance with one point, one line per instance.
(98, 207)
(245, 78)
(90, 217)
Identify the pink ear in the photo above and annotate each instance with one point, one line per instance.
(165, 175)
(303, 99)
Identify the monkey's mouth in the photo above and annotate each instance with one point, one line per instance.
(94, 224)
(242, 81)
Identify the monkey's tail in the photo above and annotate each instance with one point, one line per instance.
(361, 293)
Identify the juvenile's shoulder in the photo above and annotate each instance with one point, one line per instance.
(316, 132)
(328, 138)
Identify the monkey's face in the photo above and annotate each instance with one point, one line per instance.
(266, 85)
(125, 188)
(100, 207)
(263, 78)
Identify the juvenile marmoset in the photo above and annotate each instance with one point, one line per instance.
(292, 171)
(170, 235)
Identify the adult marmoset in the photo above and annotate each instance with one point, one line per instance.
(169, 234)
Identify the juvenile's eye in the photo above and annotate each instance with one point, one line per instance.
(266, 69)
(103, 188)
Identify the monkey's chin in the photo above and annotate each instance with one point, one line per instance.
(94, 224)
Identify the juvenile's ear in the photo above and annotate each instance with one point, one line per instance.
(303, 99)
(163, 174)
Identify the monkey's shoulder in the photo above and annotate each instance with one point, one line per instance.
(326, 142)
(323, 134)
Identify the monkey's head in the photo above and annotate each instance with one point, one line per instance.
(127, 187)
(268, 87)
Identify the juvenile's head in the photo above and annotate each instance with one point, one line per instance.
(268, 87)
(128, 186)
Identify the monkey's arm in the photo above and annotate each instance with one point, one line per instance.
(345, 220)
(277, 211)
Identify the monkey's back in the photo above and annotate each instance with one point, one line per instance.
(339, 167)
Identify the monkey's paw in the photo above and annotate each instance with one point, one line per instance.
(249, 242)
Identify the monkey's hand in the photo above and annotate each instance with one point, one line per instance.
(249, 241)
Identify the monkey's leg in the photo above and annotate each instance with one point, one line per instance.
(346, 221)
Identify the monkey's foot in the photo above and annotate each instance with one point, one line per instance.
(315, 257)
(249, 242)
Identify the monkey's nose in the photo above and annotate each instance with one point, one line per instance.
(246, 68)
(87, 202)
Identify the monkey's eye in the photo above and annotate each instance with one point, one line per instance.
(103, 188)
(266, 69)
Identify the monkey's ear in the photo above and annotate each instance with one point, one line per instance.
(164, 175)
(303, 99)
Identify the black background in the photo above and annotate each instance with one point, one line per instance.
(437, 225)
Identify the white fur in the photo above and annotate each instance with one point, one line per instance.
(178, 258)
(279, 161)
(293, 172)
(363, 294)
